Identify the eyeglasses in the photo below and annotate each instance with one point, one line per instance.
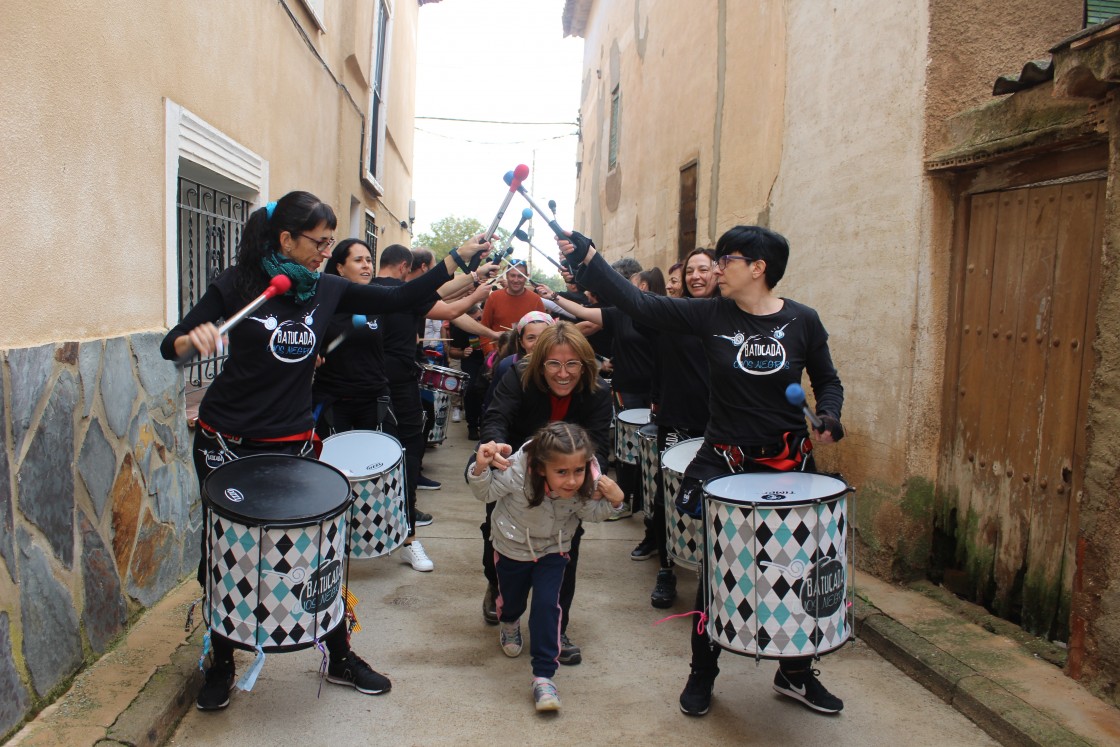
(554, 366)
(321, 245)
(725, 259)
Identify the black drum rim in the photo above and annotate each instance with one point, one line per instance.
(256, 521)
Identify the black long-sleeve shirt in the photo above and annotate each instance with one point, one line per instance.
(264, 388)
(356, 368)
(751, 358)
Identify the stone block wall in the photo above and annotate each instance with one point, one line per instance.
(99, 507)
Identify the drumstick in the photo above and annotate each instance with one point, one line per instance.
(356, 321)
(513, 179)
(525, 237)
(278, 286)
(795, 395)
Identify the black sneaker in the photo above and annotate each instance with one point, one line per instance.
(489, 605)
(423, 519)
(472, 434)
(664, 590)
(355, 673)
(569, 652)
(214, 695)
(645, 550)
(805, 688)
(427, 483)
(696, 698)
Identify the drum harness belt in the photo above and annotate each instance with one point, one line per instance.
(224, 440)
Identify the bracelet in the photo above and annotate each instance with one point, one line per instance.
(454, 254)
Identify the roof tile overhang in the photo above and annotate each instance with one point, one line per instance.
(575, 16)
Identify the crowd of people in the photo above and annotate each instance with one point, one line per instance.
(547, 374)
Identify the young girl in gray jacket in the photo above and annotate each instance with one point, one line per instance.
(541, 493)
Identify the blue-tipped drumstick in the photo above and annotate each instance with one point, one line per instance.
(795, 395)
(556, 229)
(525, 237)
(357, 321)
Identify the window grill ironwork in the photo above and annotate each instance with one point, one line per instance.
(371, 235)
(210, 225)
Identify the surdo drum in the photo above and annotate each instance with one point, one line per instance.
(275, 551)
(776, 557)
(374, 464)
(650, 463)
(443, 379)
(626, 434)
(684, 534)
(441, 406)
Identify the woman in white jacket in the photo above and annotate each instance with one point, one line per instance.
(541, 493)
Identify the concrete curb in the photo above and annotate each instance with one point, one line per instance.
(150, 719)
(992, 707)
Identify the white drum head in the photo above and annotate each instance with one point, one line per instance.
(361, 454)
(678, 456)
(775, 488)
(636, 416)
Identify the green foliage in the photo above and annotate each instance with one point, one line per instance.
(553, 281)
(450, 232)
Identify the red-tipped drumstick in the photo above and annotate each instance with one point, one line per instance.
(513, 179)
(556, 229)
(278, 286)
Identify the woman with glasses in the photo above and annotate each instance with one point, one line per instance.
(559, 381)
(680, 402)
(260, 402)
(757, 343)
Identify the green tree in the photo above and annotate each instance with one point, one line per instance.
(450, 232)
(552, 280)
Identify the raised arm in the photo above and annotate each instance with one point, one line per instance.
(583, 313)
(684, 315)
(449, 310)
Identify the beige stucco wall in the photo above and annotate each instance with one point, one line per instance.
(849, 197)
(82, 127)
(687, 94)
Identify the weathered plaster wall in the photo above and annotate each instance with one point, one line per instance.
(82, 123)
(850, 197)
(99, 509)
(698, 82)
(972, 42)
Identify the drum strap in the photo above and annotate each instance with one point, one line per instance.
(783, 457)
(224, 440)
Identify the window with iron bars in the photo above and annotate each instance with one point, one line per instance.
(210, 224)
(371, 235)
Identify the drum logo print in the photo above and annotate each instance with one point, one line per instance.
(233, 495)
(776, 495)
(822, 589)
(321, 589)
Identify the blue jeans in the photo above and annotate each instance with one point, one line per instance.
(515, 579)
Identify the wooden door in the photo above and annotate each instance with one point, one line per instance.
(1014, 464)
(686, 231)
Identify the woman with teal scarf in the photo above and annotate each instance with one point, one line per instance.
(260, 402)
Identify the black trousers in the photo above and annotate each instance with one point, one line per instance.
(409, 412)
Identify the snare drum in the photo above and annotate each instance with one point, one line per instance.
(275, 550)
(626, 434)
(441, 405)
(651, 463)
(374, 463)
(777, 564)
(443, 379)
(684, 535)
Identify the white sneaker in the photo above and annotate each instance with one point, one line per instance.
(545, 695)
(414, 555)
(456, 415)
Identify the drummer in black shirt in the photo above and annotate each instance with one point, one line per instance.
(680, 402)
(399, 339)
(260, 402)
(757, 344)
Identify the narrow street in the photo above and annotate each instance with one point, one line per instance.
(453, 685)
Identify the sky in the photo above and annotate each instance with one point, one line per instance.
(501, 60)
